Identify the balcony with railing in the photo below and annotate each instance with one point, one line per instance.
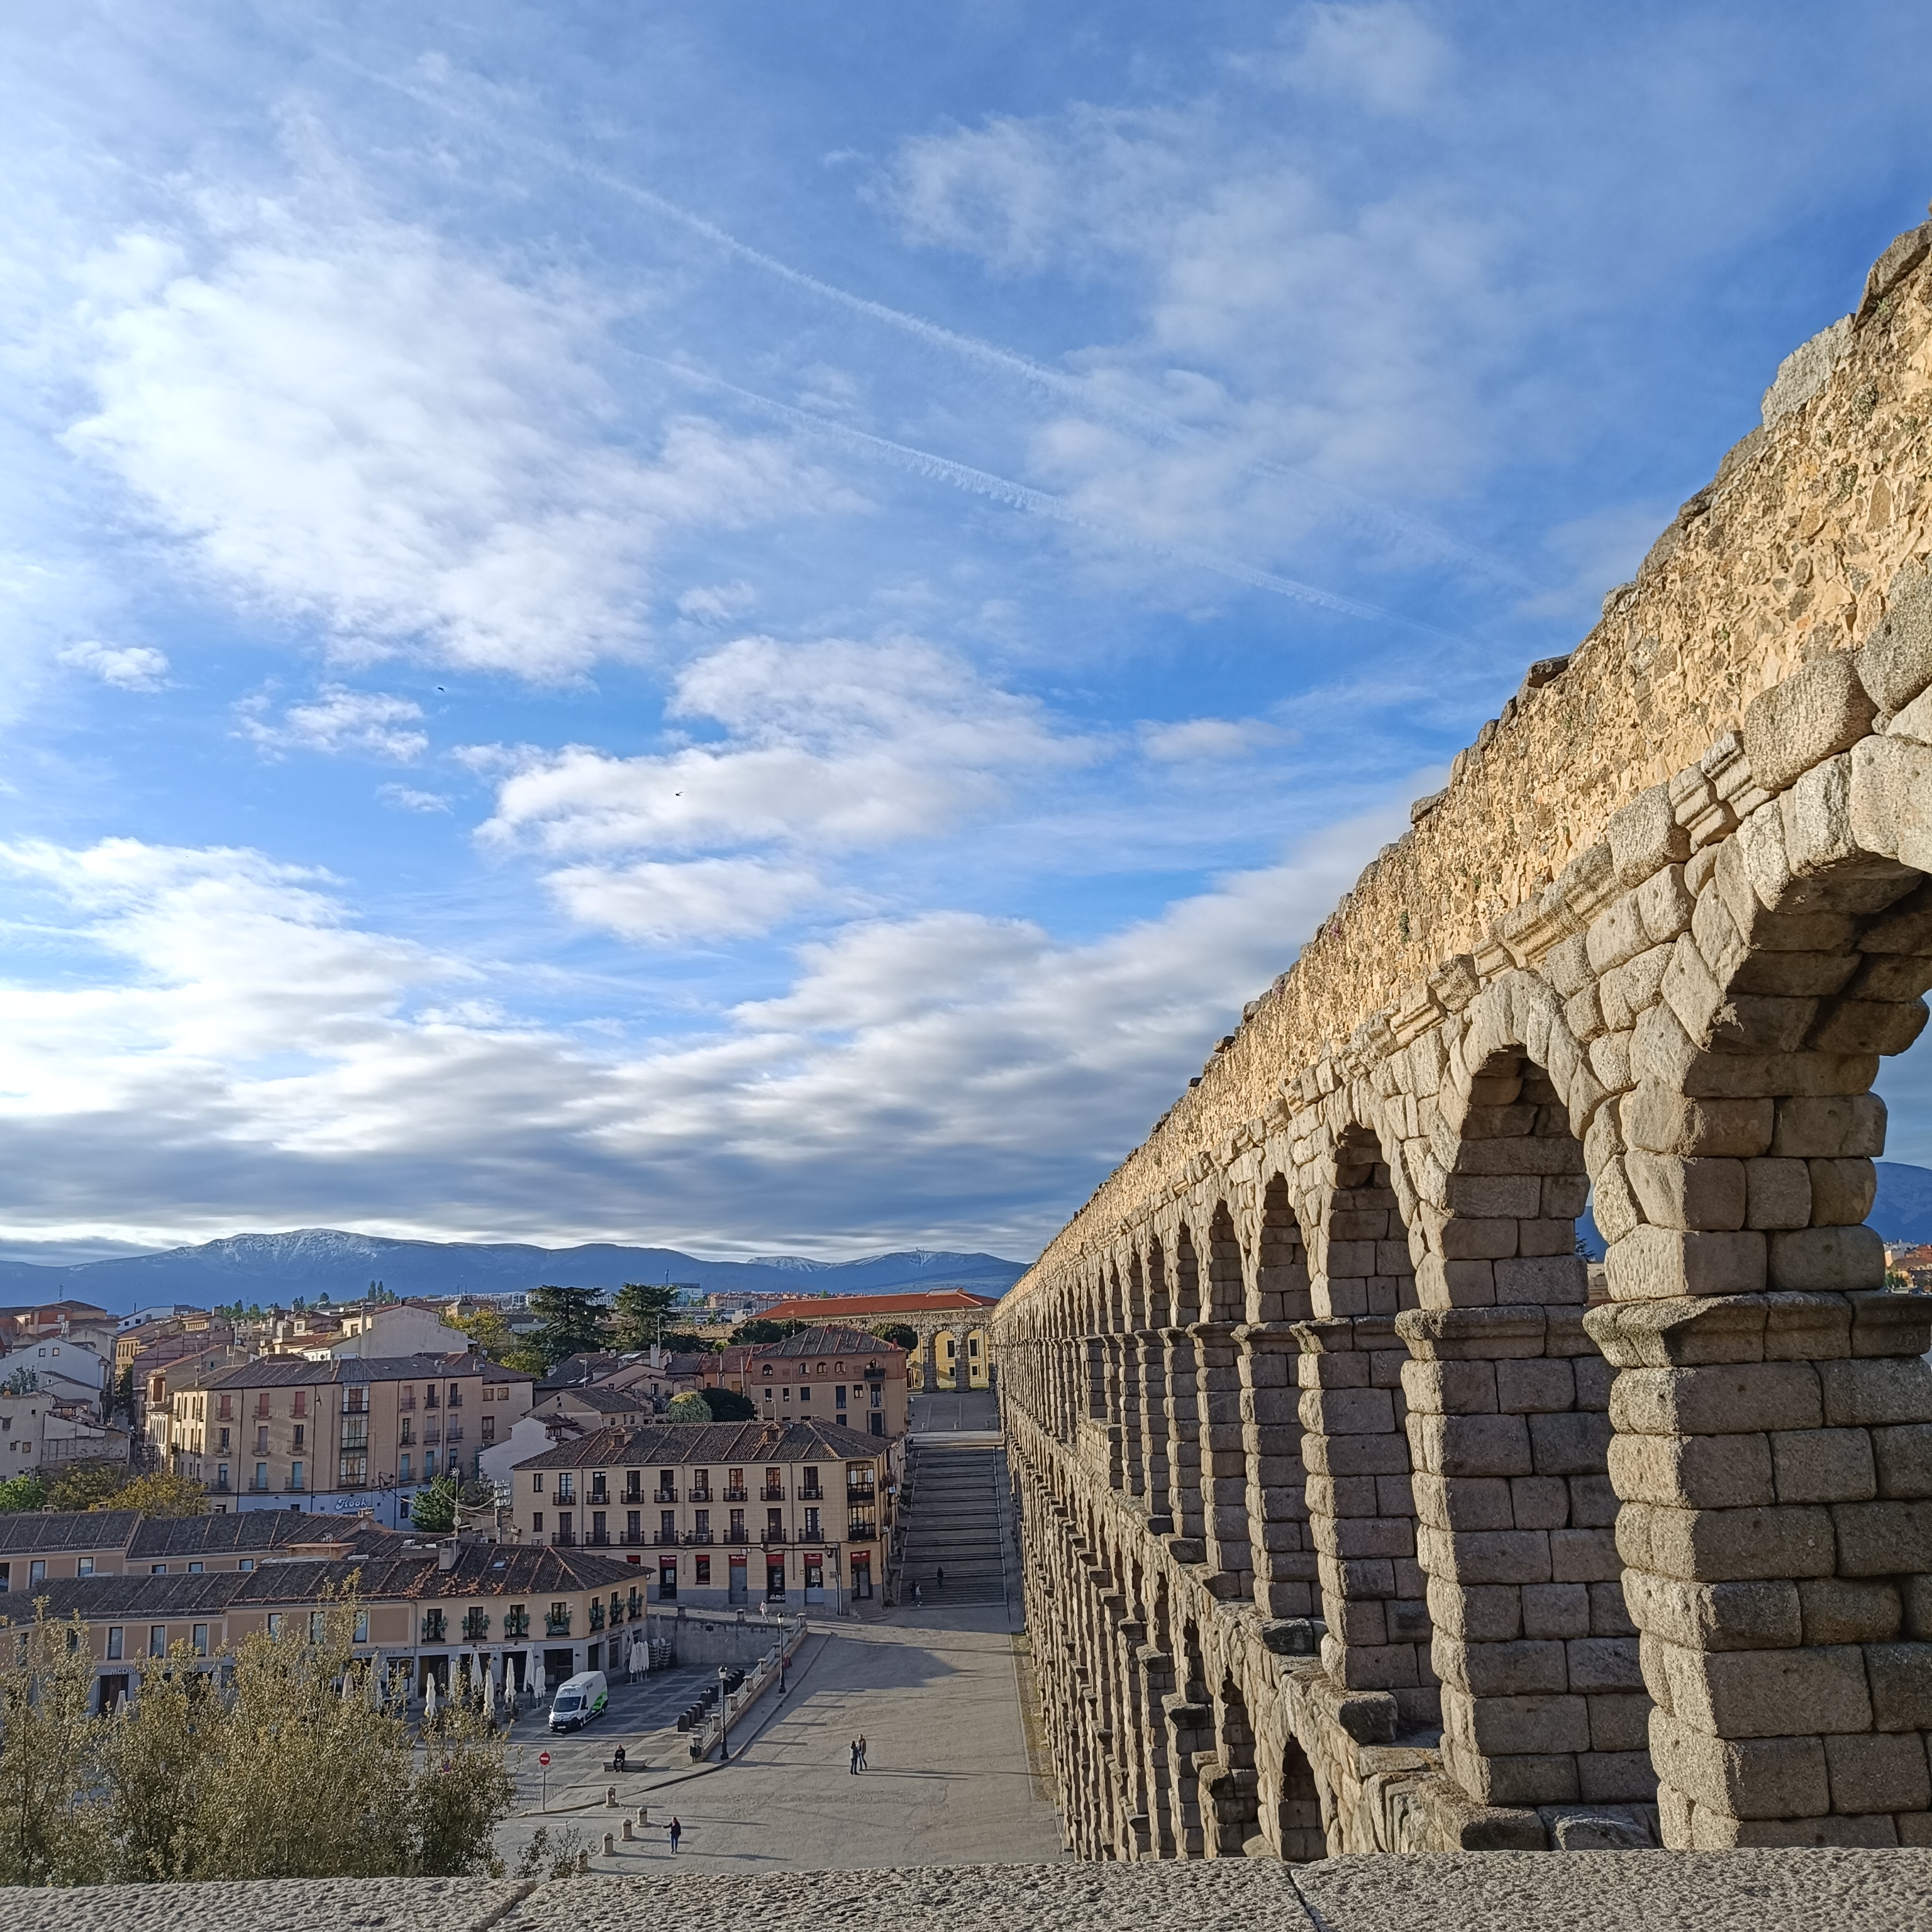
(634, 1539)
(773, 1492)
(700, 1494)
(773, 1538)
(862, 1529)
(563, 1539)
(475, 1626)
(557, 1623)
(861, 1492)
(663, 1495)
(702, 1537)
(633, 1495)
(811, 1492)
(516, 1624)
(435, 1627)
(665, 1538)
(737, 1495)
(597, 1539)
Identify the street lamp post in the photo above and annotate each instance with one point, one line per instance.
(724, 1716)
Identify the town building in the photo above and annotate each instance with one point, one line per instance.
(841, 1375)
(953, 1325)
(42, 1546)
(443, 1612)
(360, 1433)
(393, 1328)
(722, 1513)
(599, 1406)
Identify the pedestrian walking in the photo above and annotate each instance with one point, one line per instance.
(917, 1600)
(939, 1579)
(862, 1750)
(854, 1766)
(676, 1832)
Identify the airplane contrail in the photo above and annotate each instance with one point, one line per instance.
(1125, 411)
(1023, 497)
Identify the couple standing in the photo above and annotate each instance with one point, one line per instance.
(858, 1753)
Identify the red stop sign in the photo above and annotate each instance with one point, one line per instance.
(543, 1757)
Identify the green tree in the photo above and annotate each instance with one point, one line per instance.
(160, 1493)
(434, 1509)
(492, 1336)
(22, 1493)
(761, 1329)
(639, 1311)
(898, 1333)
(47, 1837)
(691, 1407)
(84, 1484)
(729, 1406)
(572, 1319)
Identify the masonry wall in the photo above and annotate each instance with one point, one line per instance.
(1351, 1522)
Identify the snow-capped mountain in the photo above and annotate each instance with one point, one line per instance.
(308, 1261)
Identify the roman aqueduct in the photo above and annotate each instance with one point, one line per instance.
(1350, 1520)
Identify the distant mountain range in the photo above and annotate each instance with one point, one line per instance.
(311, 1261)
(1901, 1212)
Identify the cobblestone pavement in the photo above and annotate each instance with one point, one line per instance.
(935, 1694)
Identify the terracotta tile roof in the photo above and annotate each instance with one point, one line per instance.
(713, 1443)
(878, 1307)
(483, 1570)
(36, 1532)
(297, 1372)
(827, 1341)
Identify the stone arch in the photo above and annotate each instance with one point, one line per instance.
(1353, 1412)
(1294, 1809)
(1542, 1700)
(1223, 1448)
(1283, 1557)
(945, 1349)
(1181, 1392)
(1778, 1539)
(1229, 1788)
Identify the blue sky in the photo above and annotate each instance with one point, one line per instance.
(749, 626)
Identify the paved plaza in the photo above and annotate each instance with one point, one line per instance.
(935, 1692)
(949, 1412)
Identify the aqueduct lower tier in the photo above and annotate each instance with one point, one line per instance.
(1350, 1523)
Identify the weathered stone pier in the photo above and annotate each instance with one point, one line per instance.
(1351, 1522)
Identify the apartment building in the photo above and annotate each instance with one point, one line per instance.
(725, 1513)
(953, 1326)
(443, 1613)
(39, 1547)
(837, 1374)
(362, 1433)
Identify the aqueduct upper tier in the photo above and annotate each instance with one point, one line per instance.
(1350, 1523)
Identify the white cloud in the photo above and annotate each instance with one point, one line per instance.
(1210, 740)
(356, 426)
(226, 1046)
(701, 898)
(410, 799)
(716, 603)
(832, 747)
(338, 720)
(1386, 56)
(126, 667)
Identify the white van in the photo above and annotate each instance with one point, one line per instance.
(579, 1699)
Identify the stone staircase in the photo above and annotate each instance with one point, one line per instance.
(952, 1522)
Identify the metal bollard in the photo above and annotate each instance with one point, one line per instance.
(610, 1845)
